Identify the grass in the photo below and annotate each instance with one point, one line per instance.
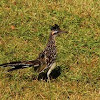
(24, 30)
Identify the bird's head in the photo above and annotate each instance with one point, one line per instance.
(55, 30)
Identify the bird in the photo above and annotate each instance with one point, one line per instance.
(46, 58)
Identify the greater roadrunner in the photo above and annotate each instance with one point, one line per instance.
(45, 60)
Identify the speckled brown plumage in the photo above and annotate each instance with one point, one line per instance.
(46, 58)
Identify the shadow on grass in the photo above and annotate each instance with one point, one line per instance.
(54, 74)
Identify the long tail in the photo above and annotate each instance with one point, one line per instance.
(20, 65)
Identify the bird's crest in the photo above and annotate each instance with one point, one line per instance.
(55, 27)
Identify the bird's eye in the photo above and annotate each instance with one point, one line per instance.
(54, 32)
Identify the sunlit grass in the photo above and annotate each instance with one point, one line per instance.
(24, 31)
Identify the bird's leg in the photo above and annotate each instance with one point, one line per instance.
(43, 69)
(52, 66)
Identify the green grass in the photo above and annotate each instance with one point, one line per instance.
(24, 30)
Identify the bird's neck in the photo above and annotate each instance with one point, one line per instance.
(51, 39)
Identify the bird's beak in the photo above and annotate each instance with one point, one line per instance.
(61, 31)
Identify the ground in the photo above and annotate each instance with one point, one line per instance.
(24, 30)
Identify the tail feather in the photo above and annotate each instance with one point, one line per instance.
(21, 65)
(10, 64)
